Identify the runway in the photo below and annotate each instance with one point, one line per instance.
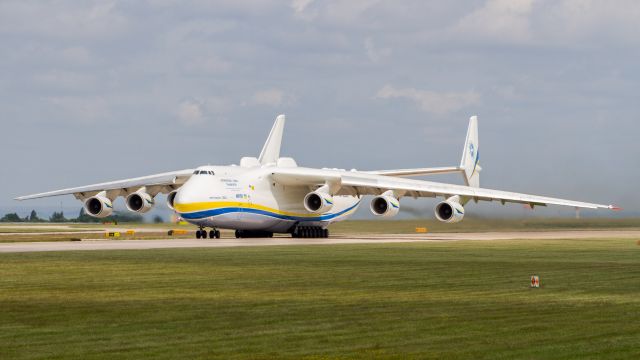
(109, 244)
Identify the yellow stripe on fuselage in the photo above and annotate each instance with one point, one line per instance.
(204, 206)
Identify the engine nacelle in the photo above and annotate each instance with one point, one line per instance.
(98, 206)
(171, 198)
(385, 205)
(449, 211)
(140, 202)
(318, 202)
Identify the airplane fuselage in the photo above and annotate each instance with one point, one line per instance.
(234, 197)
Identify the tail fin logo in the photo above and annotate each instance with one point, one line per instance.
(472, 151)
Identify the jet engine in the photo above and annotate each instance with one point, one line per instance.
(171, 198)
(98, 206)
(449, 211)
(318, 202)
(140, 201)
(385, 205)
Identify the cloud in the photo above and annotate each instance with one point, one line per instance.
(272, 97)
(299, 6)
(544, 22)
(190, 65)
(84, 20)
(190, 112)
(591, 21)
(338, 11)
(199, 30)
(210, 64)
(80, 108)
(375, 54)
(503, 20)
(430, 101)
(76, 55)
(348, 11)
(65, 80)
(199, 111)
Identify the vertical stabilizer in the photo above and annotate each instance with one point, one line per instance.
(471, 155)
(271, 149)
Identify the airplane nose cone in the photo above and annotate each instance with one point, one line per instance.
(185, 196)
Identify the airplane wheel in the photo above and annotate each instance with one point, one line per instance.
(204, 234)
(217, 234)
(212, 234)
(238, 234)
(198, 234)
(311, 232)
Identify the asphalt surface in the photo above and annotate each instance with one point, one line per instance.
(109, 244)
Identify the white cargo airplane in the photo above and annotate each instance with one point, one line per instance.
(272, 194)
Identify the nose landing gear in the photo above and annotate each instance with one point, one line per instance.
(202, 234)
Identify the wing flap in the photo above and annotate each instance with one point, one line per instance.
(417, 171)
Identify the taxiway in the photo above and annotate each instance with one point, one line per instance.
(110, 244)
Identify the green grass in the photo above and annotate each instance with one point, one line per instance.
(29, 230)
(428, 300)
(35, 237)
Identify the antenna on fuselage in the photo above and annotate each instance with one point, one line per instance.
(271, 149)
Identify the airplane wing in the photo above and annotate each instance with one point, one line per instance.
(359, 183)
(158, 183)
(418, 171)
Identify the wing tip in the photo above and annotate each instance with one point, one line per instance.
(615, 208)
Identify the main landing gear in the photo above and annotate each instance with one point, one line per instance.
(310, 232)
(213, 234)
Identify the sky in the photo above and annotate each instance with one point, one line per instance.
(101, 90)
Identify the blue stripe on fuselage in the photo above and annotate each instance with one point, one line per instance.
(228, 210)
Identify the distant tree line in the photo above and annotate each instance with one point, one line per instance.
(58, 217)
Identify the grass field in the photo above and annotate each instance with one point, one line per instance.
(428, 300)
(25, 229)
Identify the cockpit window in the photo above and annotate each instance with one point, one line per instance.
(203, 172)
